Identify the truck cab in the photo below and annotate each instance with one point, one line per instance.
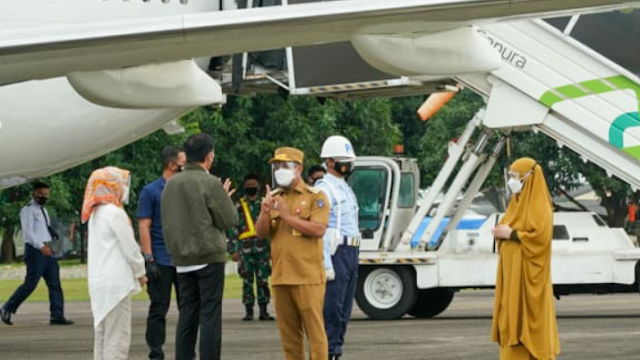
(386, 189)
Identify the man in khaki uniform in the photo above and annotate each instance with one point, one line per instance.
(295, 217)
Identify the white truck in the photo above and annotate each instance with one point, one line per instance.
(396, 278)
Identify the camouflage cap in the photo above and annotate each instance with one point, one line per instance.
(288, 154)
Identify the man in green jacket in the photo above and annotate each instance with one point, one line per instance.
(196, 213)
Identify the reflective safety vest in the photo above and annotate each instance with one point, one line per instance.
(250, 230)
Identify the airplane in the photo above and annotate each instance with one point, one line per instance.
(81, 79)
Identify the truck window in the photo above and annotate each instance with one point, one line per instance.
(407, 195)
(370, 187)
(560, 232)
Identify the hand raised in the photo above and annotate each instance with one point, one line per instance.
(267, 202)
(227, 187)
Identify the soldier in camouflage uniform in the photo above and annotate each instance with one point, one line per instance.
(254, 254)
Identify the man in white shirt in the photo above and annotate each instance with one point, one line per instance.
(37, 235)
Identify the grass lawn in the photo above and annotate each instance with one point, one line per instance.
(62, 263)
(76, 290)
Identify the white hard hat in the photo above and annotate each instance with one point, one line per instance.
(337, 146)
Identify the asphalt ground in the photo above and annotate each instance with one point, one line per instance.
(591, 327)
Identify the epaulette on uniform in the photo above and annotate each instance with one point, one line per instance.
(313, 190)
(276, 191)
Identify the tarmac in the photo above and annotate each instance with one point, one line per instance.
(591, 327)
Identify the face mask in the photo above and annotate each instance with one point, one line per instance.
(180, 168)
(211, 166)
(125, 191)
(41, 200)
(343, 167)
(125, 196)
(251, 191)
(284, 177)
(515, 185)
(315, 180)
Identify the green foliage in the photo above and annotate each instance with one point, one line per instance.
(428, 142)
(561, 165)
(248, 129)
(246, 132)
(77, 290)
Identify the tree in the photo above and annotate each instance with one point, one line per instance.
(248, 129)
(11, 201)
(428, 142)
(613, 192)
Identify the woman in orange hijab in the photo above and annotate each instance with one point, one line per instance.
(524, 316)
(116, 267)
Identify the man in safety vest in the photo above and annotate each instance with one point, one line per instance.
(252, 252)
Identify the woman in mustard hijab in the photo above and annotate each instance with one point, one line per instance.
(524, 316)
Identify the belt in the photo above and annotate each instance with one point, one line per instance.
(351, 241)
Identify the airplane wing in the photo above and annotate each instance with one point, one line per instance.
(51, 51)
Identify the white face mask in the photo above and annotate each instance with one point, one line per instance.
(125, 196)
(515, 185)
(125, 192)
(284, 177)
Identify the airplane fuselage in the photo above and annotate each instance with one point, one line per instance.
(45, 125)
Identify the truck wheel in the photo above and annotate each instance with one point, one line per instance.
(431, 302)
(386, 293)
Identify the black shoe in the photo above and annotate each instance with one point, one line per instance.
(264, 315)
(60, 321)
(249, 315)
(5, 316)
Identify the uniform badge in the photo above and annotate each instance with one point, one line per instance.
(320, 203)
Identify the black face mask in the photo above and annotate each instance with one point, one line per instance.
(251, 191)
(315, 180)
(41, 200)
(343, 168)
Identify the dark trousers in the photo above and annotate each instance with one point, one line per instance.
(258, 267)
(200, 304)
(160, 296)
(39, 266)
(338, 301)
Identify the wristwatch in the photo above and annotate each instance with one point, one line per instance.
(147, 257)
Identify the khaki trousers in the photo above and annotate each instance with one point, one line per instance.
(299, 310)
(113, 334)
